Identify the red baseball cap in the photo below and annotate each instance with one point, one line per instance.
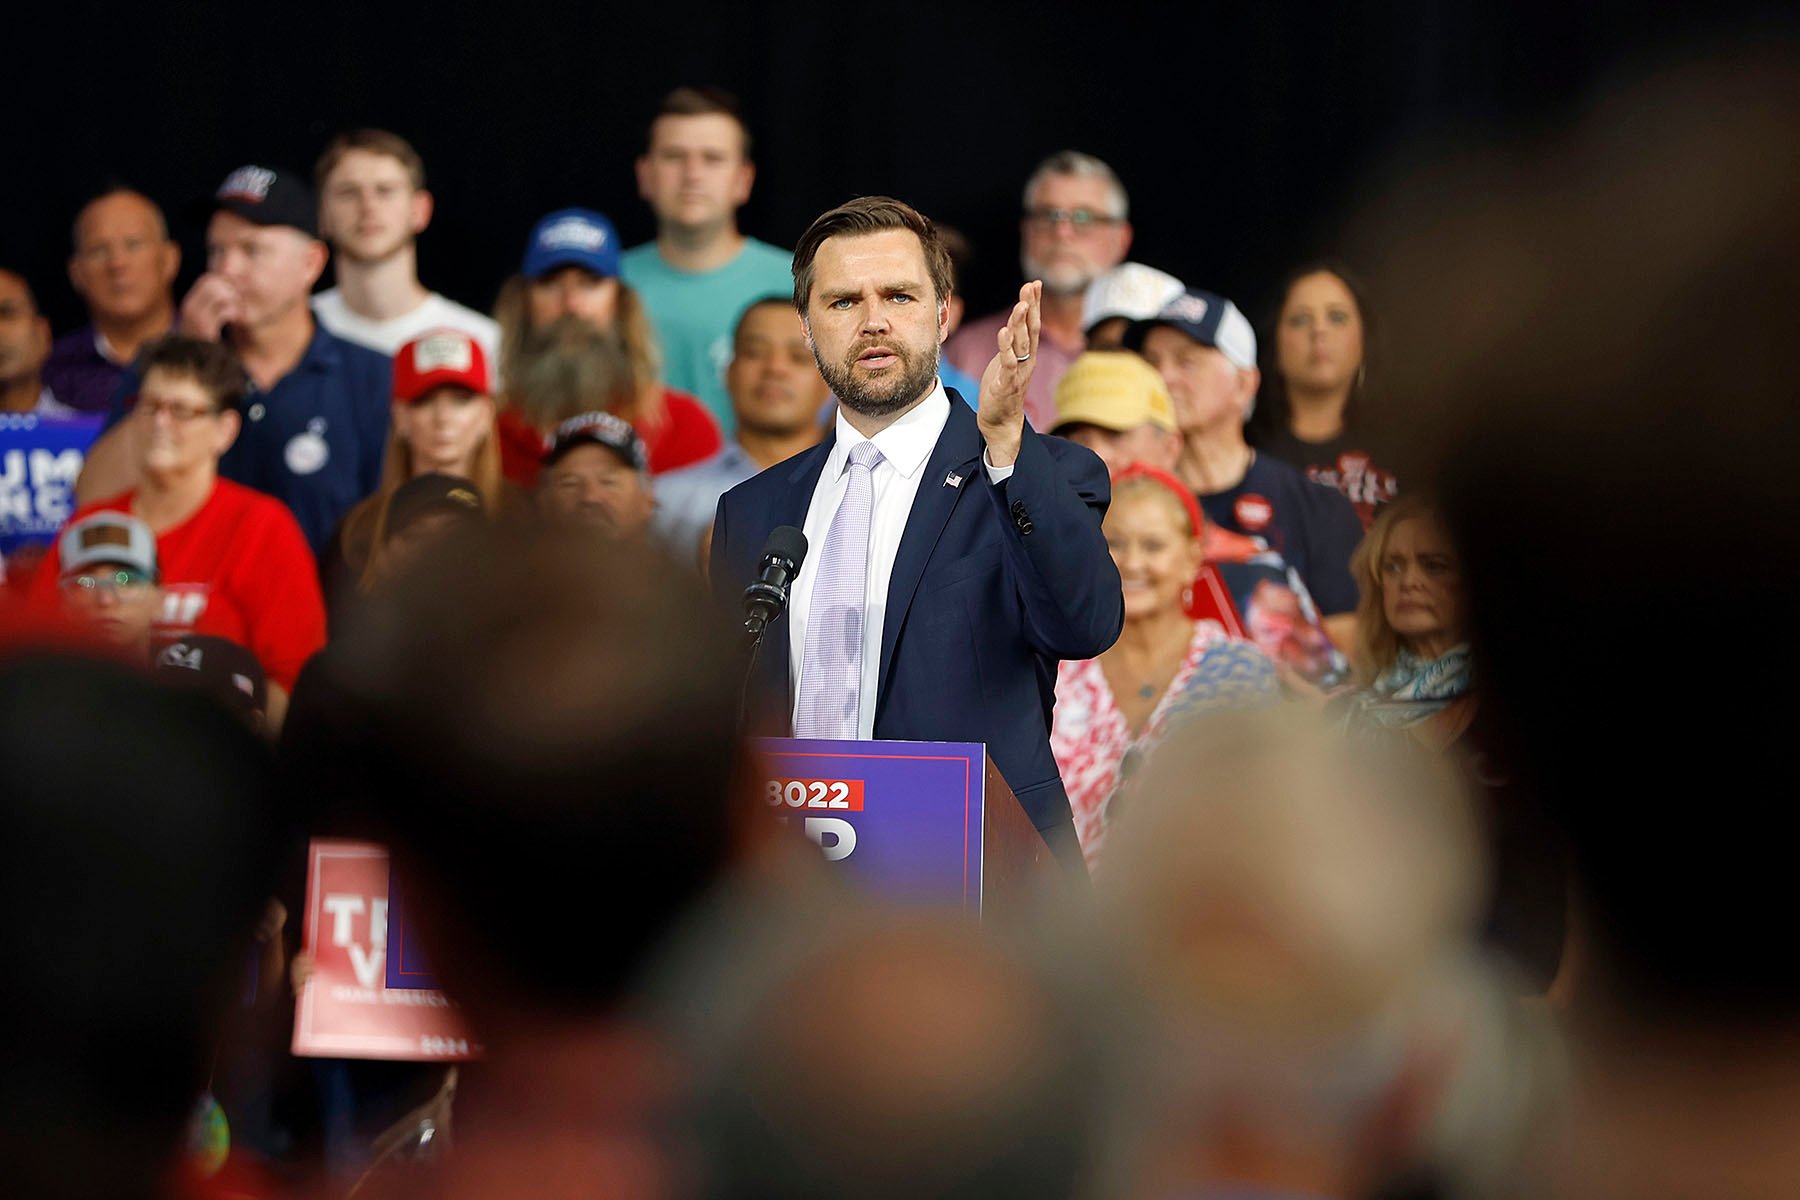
(443, 357)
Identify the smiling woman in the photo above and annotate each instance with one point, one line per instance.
(1165, 665)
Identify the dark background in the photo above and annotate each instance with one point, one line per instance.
(1246, 133)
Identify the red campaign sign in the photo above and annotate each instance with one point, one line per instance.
(346, 1010)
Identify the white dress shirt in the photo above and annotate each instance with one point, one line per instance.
(896, 479)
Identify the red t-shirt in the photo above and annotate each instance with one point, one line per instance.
(239, 568)
(686, 434)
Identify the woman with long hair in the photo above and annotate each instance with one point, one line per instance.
(1411, 652)
(1315, 411)
(1411, 659)
(443, 422)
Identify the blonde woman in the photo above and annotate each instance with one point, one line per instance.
(1411, 652)
(1165, 666)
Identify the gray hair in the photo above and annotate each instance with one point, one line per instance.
(1074, 162)
(1296, 904)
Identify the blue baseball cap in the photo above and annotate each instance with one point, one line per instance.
(572, 237)
(1206, 317)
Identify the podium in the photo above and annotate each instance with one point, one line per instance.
(910, 821)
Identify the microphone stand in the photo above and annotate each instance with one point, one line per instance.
(756, 640)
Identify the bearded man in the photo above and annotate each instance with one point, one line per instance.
(956, 555)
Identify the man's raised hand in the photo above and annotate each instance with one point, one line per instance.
(211, 304)
(1001, 414)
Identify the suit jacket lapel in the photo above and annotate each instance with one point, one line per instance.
(790, 509)
(958, 449)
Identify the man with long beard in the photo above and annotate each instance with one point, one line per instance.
(576, 338)
(955, 555)
(1074, 229)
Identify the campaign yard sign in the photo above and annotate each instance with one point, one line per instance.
(901, 818)
(40, 458)
(406, 965)
(346, 1009)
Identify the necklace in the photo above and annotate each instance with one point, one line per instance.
(1148, 684)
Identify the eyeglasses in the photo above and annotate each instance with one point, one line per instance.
(1082, 219)
(148, 407)
(110, 581)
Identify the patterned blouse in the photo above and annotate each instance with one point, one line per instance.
(1095, 751)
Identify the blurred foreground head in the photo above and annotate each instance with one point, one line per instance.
(551, 741)
(898, 1056)
(1297, 912)
(141, 825)
(1605, 319)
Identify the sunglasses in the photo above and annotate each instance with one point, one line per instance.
(107, 581)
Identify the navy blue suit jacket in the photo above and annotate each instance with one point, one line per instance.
(979, 611)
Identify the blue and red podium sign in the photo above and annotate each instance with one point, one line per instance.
(905, 819)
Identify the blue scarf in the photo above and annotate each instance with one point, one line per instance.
(1414, 689)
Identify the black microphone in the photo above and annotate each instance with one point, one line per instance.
(765, 599)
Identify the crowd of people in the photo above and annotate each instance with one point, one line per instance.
(1327, 916)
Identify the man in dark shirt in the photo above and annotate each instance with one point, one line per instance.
(1206, 352)
(123, 265)
(316, 414)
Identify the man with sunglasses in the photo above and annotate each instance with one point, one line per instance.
(233, 562)
(1074, 230)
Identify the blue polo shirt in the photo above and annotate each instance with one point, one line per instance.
(315, 441)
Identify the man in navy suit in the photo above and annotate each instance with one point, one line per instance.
(954, 556)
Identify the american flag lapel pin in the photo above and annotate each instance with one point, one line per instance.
(953, 480)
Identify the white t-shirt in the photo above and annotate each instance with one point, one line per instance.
(436, 312)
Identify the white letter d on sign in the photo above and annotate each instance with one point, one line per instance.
(841, 833)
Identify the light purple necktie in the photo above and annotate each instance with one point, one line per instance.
(831, 669)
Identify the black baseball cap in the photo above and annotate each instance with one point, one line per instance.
(602, 429)
(217, 667)
(432, 492)
(268, 196)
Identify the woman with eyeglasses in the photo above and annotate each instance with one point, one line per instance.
(1315, 411)
(233, 561)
